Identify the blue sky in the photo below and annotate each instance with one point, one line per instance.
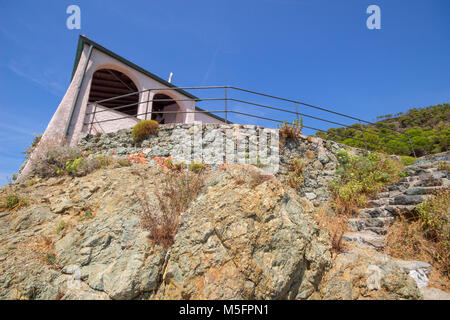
(315, 51)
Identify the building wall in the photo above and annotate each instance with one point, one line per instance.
(102, 115)
(56, 128)
(204, 118)
(99, 60)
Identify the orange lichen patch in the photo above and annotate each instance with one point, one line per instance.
(169, 163)
(163, 161)
(138, 158)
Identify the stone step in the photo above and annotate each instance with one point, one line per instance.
(407, 199)
(429, 182)
(378, 202)
(416, 170)
(387, 194)
(359, 224)
(434, 294)
(422, 190)
(398, 209)
(409, 179)
(414, 265)
(385, 211)
(378, 230)
(366, 237)
(399, 187)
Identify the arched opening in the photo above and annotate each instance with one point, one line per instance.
(109, 83)
(164, 103)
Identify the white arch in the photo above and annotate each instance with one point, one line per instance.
(181, 117)
(117, 67)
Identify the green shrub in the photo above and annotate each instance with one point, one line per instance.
(435, 216)
(444, 166)
(12, 202)
(53, 161)
(143, 129)
(61, 226)
(361, 177)
(123, 163)
(407, 160)
(196, 167)
(50, 258)
(428, 128)
(81, 166)
(87, 215)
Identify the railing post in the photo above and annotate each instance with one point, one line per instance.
(93, 117)
(411, 144)
(364, 135)
(226, 116)
(146, 107)
(296, 111)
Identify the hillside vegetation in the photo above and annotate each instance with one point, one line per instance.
(429, 129)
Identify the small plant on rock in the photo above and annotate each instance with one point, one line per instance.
(61, 226)
(50, 258)
(444, 166)
(53, 160)
(144, 129)
(173, 195)
(407, 160)
(360, 178)
(295, 176)
(196, 167)
(290, 132)
(12, 202)
(424, 234)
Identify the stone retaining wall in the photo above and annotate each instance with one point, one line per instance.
(214, 144)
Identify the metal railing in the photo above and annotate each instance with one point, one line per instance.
(231, 110)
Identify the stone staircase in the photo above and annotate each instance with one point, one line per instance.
(370, 226)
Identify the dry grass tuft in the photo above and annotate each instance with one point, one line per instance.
(295, 176)
(290, 132)
(310, 155)
(424, 234)
(174, 195)
(335, 224)
(247, 174)
(406, 240)
(13, 202)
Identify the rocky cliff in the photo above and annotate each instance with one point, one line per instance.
(244, 237)
(245, 234)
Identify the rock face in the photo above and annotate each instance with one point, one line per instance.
(246, 236)
(246, 243)
(363, 273)
(232, 243)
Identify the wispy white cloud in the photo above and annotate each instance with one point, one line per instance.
(44, 78)
(23, 65)
(16, 129)
(211, 66)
